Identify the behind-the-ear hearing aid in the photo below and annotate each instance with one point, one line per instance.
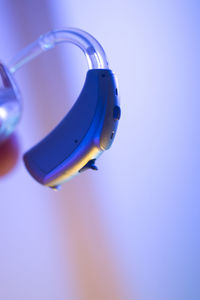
(88, 128)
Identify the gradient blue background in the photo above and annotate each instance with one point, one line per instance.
(131, 230)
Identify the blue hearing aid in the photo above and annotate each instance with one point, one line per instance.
(89, 127)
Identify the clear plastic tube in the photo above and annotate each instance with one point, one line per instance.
(96, 57)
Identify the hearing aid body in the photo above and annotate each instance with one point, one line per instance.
(86, 131)
(89, 127)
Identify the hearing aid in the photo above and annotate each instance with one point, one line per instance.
(86, 131)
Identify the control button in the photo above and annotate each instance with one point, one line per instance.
(89, 165)
(56, 187)
(116, 113)
(112, 134)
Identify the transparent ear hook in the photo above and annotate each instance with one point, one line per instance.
(96, 57)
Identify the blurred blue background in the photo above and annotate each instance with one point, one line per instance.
(131, 230)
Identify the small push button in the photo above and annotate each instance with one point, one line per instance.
(116, 113)
(89, 165)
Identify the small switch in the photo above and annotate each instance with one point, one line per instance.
(116, 113)
(89, 165)
(56, 187)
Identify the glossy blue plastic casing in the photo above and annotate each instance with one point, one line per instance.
(85, 132)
